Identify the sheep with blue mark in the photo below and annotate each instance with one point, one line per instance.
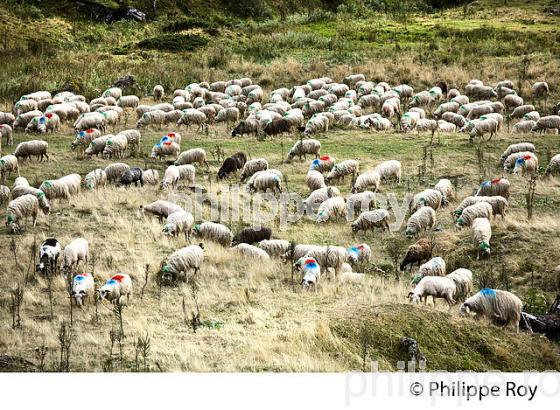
(82, 288)
(322, 164)
(527, 166)
(360, 253)
(310, 271)
(116, 287)
(501, 307)
(518, 147)
(493, 187)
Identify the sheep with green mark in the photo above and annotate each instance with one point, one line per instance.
(95, 179)
(481, 235)
(332, 209)
(214, 232)
(432, 198)
(22, 120)
(115, 92)
(470, 213)
(20, 209)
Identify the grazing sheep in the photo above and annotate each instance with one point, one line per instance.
(253, 166)
(8, 164)
(332, 208)
(191, 156)
(463, 279)
(340, 170)
(359, 253)
(378, 218)
(214, 232)
(497, 186)
(4, 194)
(484, 126)
(150, 177)
(519, 147)
(314, 180)
(128, 101)
(327, 256)
(499, 306)
(540, 89)
(82, 287)
(317, 197)
(274, 247)
(96, 146)
(160, 208)
(428, 197)
(115, 288)
(434, 267)
(532, 116)
(252, 235)
(389, 169)
(322, 164)
(151, 118)
(421, 220)
(509, 163)
(90, 120)
(22, 120)
(360, 202)
(6, 132)
(524, 127)
(310, 271)
(304, 147)
(436, 287)
(481, 234)
(193, 116)
(74, 252)
(115, 171)
(27, 149)
(132, 176)
(95, 179)
(498, 203)
(470, 213)
(454, 118)
(527, 165)
(550, 122)
(171, 177)
(366, 180)
(513, 101)
(179, 222)
(451, 106)
(417, 253)
(21, 208)
(247, 126)
(49, 251)
(444, 126)
(164, 149)
(132, 137)
(554, 165)
(447, 190)
(250, 251)
(265, 180)
(520, 111)
(159, 93)
(116, 146)
(7, 118)
(114, 92)
(230, 165)
(421, 99)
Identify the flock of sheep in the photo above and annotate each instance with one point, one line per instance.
(312, 108)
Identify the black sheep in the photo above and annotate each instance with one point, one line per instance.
(132, 176)
(232, 164)
(252, 235)
(277, 126)
(241, 159)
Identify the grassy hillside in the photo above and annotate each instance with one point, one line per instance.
(253, 318)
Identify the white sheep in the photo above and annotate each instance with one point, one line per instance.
(447, 190)
(253, 252)
(82, 287)
(332, 208)
(150, 177)
(509, 163)
(527, 165)
(4, 194)
(115, 171)
(340, 170)
(8, 164)
(27, 149)
(151, 118)
(215, 232)
(263, 181)
(187, 173)
(253, 166)
(359, 253)
(21, 208)
(95, 179)
(191, 156)
(274, 247)
(310, 271)
(160, 208)
(179, 222)
(369, 220)
(463, 279)
(436, 287)
(314, 180)
(434, 267)
(481, 235)
(554, 165)
(470, 213)
(164, 149)
(171, 177)
(6, 132)
(366, 180)
(519, 147)
(116, 287)
(304, 147)
(524, 127)
(499, 306)
(389, 169)
(428, 197)
(115, 146)
(421, 220)
(550, 122)
(193, 116)
(75, 252)
(158, 92)
(180, 262)
(496, 186)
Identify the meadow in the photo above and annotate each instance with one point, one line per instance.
(255, 317)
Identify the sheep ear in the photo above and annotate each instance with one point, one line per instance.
(410, 294)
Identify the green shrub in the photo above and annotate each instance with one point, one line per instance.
(173, 42)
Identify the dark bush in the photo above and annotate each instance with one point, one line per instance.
(173, 42)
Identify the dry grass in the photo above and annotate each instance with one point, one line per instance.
(267, 323)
